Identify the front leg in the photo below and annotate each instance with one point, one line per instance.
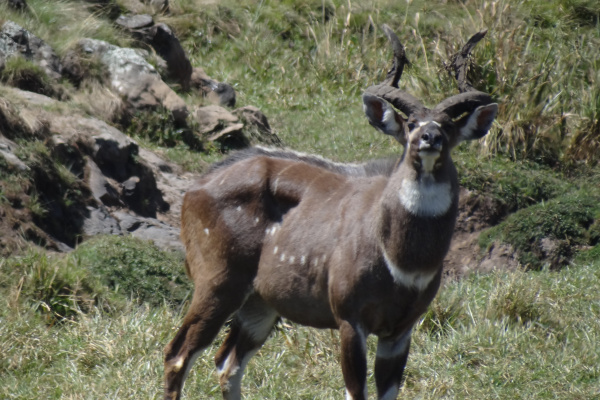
(390, 361)
(354, 360)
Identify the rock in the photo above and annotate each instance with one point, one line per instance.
(213, 117)
(134, 78)
(100, 222)
(99, 185)
(233, 136)
(167, 45)
(163, 235)
(257, 126)
(6, 151)
(15, 40)
(135, 22)
(215, 92)
(17, 4)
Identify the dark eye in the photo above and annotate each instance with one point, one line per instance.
(411, 126)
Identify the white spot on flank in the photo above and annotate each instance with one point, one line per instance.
(222, 182)
(303, 260)
(292, 259)
(417, 280)
(282, 258)
(239, 208)
(425, 199)
(256, 220)
(275, 250)
(206, 231)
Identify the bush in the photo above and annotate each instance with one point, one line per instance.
(136, 268)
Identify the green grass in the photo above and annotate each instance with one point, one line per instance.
(517, 335)
(92, 324)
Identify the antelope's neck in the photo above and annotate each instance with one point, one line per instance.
(416, 224)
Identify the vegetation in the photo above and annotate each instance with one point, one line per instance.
(526, 335)
(80, 325)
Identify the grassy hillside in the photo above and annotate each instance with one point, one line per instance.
(92, 324)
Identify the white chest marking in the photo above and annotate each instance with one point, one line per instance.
(417, 280)
(425, 199)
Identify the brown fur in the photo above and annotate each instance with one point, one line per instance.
(273, 233)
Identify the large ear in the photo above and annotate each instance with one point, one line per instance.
(383, 117)
(477, 124)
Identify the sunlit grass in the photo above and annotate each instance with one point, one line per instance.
(526, 335)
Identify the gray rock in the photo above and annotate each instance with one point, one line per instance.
(215, 92)
(211, 118)
(100, 222)
(101, 188)
(6, 151)
(167, 45)
(133, 22)
(15, 40)
(134, 78)
(163, 235)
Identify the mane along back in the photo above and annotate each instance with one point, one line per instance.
(383, 167)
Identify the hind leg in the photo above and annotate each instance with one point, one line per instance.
(213, 303)
(249, 330)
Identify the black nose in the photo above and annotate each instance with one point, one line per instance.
(431, 138)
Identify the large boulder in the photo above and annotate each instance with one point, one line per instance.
(215, 92)
(16, 40)
(167, 45)
(136, 79)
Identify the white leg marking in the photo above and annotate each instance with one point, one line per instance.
(193, 359)
(365, 394)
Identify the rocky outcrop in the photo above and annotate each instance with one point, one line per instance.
(124, 187)
(91, 178)
(135, 79)
(17, 41)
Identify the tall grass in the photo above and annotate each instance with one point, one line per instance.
(92, 324)
(517, 335)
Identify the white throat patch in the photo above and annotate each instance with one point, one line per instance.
(428, 160)
(425, 199)
(418, 280)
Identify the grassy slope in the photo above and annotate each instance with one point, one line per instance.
(502, 335)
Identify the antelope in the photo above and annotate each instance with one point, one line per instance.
(272, 233)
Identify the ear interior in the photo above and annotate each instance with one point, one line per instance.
(383, 117)
(477, 124)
